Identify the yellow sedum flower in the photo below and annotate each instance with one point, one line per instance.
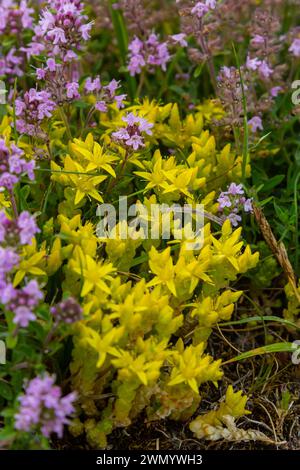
(32, 262)
(193, 368)
(74, 233)
(93, 273)
(92, 156)
(103, 344)
(75, 175)
(233, 406)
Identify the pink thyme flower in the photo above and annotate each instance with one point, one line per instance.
(234, 219)
(136, 46)
(132, 135)
(179, 39)
(226, 71)
(23, 316)
(232, 202)
(92, 85)
(17, 231)
(151, 53)
(72, 90)
(7, 291)
(47, 21)
(135, 64)
(7, 180)
(119, 99)
(295, 47)
(211, 4)
(57, 35)
(23, 302)
(224, 201)
(253, 64)
(43, 408)
(40, 73)
(105, 95)
(275, 91)
(67, 311)
(15, 17)
(101, 106)
(31, 111)
(12, 165)
(112, 87)
(265, 70)
(10, 63)
(200, 9)
(255, 123)
(8, 260)
(61, 29)
(28, 228)
(51, 64)
(85, 30)
(235, 189)
(247, 204)
(257, 39)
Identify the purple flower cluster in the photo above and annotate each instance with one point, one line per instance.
(295, 47)
(59, 34)
(179, 38)
(8, 260)
(105, 94)
(10, 64)
(232, 201)
(67, 311)
(201, 8)
(230, 94)
(15, 16)
(60, 85)
(150, 53)
(255, 124)
(202, 21)
(21, 302)
(17, 231)
(265, 47)
(262, 66)
(12, 165)
(13, 234)
(61, 28)
(131, 136)
(32, 110)
(43, 408)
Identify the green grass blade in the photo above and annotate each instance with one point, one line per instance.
(271, 318)
(269, 349)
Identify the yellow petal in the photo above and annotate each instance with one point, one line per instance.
(18, 278)
(87, 287)
(79, 196)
